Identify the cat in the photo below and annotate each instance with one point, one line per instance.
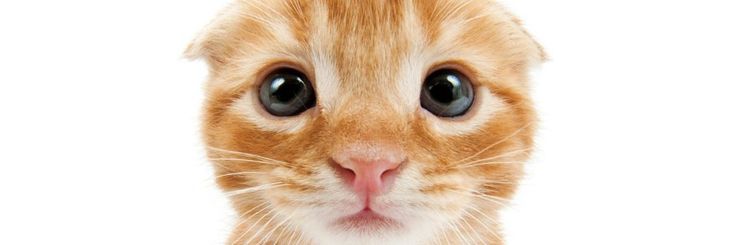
(367, 121)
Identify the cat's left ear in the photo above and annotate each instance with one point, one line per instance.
(210, 44)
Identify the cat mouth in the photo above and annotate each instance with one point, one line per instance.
(367, 221)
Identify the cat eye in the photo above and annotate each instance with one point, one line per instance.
(287, 92)
(447, 93)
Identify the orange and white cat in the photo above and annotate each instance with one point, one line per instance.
(367, 121)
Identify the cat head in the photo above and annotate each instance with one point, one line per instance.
(375, 121)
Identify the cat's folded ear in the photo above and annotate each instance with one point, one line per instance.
(196, 48)
(210, 44)
(524, 52)
(538, 55)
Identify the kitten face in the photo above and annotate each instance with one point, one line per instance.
(361, 155)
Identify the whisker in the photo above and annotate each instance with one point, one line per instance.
(485, 225)
(486, 164)
(255, 189)
(469, 229)
(301, 236)
(452, 227)
(444, 233)
(497, 143)
(457, 232)
(219, 164)
(263, 227)
(510, 153)
(474, 228)
(242, 160)
(278, 226)
(490, 182)
(250, 210)
(245, 154)
(236, 174)
(292, 236)
(283, 232)
(242, 217)
(255, 224)
(497, 200)
(479, 234)
(481, 161)
(244, 220)
(493, 199)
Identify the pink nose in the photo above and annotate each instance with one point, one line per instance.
(368, 171)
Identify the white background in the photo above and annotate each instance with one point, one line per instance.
(99, 113)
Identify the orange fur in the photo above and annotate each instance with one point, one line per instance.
(368, 44)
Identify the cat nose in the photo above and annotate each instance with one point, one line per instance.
(368, 171)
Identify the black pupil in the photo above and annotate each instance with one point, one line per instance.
(286, 88)
(446, 88)
(443, 92)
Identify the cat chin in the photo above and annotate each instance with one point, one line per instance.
(369, 235)
(367, 227)
(367, 222)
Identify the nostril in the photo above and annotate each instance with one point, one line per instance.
(348, 175)
(388, 176)
(388, 173)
